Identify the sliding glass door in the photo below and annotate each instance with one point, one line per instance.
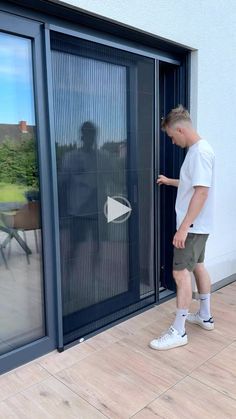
(21, 279)
(85, 233)
(104, 132)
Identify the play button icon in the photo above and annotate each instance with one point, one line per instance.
(114, 209)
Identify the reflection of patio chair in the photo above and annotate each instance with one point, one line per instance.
(3, 256)
(25, 219)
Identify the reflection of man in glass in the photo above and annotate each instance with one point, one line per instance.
(79, 202)
(83, 178)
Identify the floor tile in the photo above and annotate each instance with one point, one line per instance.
(49, 399)
(220, 371)
(119, 380)
(190, 399)
(21, 378)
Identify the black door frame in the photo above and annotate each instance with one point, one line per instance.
(20, 15)
(14, 25)
(170, 159)
(158, 57)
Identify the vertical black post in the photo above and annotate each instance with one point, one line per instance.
(156, 156)
(55, 220)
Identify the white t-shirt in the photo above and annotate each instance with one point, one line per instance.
(197, 170)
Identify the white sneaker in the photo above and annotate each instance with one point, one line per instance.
(196, 319)
(171, 339)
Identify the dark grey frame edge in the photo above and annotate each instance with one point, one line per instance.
(32, 29)
(91, 35)
(60, 345)
(157, 220)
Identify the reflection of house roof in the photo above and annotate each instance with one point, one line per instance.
(13, 132)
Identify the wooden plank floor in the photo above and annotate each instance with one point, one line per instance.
(116, 375)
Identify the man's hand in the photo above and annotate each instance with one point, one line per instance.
(163, 180)
(179, 238)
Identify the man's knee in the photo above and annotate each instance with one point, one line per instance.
(199, 269)
(180, 276)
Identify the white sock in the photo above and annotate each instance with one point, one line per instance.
(180, 317)
(205, 311)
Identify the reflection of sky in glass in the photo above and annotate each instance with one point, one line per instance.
(88, 90)
(16, 83)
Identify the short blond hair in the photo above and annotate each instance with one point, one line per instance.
(179, 114)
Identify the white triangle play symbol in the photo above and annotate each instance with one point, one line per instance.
(115, 209)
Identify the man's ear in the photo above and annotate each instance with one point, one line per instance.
(179, 130)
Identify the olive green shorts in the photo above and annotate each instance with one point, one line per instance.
(193, 253)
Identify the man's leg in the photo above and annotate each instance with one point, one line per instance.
(183, 264)
(184, 288)
(202, 318)
(202, 277)
(183, 299)
(176, 335)
(203, 282)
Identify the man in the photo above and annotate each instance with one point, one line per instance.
(194, 211)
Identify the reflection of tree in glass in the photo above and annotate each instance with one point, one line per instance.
(18, 163)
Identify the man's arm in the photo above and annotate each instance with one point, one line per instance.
(195, 206)
(163, 180)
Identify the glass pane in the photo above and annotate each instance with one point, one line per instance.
(91, 162)
(103, 104)
(21, 279)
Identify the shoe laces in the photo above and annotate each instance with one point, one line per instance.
(197, 313)
(166, 335)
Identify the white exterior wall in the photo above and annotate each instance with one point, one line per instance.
(208, 27)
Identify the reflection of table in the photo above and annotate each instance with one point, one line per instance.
(5, 209)
(12, 233)
(3, 256)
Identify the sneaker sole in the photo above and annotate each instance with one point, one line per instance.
(169, 347)
(201, 325)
